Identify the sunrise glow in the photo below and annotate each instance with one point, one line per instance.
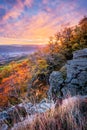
(34, 21)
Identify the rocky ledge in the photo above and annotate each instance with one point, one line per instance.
(20, 112)
(71, 114)
(74, 82)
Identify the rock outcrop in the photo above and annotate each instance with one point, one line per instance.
(70, 115)
(75, 82)
(20, 112)
(13, 115)
(56, 80)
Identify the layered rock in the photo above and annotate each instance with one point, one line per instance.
(20, 112)
(56, 80)
(75, 81)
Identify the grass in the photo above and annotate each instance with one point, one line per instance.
(71, 115)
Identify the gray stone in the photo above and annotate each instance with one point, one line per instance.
(18, 113)
(12, 115)
(28, 106)
(4, 127)
(80, 54)
(82, 78)
(56, 79)
(69, 90)
(76, 81)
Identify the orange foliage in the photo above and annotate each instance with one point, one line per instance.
(16, 82)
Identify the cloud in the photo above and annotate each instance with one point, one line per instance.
(16, 8)
(9, 41)
(44, 25)
(45, 1)
(40, 20)
(12, 14)
(19, 3)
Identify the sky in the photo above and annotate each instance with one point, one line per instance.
(34, 21)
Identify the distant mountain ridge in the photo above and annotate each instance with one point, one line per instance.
(17, 48)
(14, 52)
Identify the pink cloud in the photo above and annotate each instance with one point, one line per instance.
(43, 24)
(17, 9)
(12, 14)
(45, 1)
(21, 4)
(28, 3)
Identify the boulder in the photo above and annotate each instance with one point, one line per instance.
(76, 80)
(56, 81)
(41, 107)
(12, 115)
(3, 126)
(72, 78)
(80, 54)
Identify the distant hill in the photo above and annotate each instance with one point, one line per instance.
(15, 52)
(17, 48)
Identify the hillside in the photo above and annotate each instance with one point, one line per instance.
(9, 53)
(49, 86)
(75, 106)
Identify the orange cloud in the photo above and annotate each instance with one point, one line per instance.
(9, 41)
(44, 25)
(39, 27)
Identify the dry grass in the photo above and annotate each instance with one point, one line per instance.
(71, 115)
